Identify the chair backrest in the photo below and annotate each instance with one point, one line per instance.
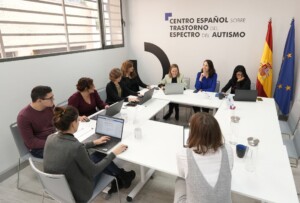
(297, 142)
(62, 104)
(187, 81)
(55, 185)
(23, 151)
(102, 93)
(217, 86)
(294, 116)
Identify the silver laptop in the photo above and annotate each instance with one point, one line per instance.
(112, 110)
(147, 96)
(174, 88)
(107, 126)
(245, 95)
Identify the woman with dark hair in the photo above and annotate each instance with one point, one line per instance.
(206, 80)
(86, 99)
(205, 165)
(130, 78)
(238, 81)
(173, 76)
(116, 90)
(64, 154)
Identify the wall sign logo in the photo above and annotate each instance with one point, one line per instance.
(204, 27)
(167, 16)
(161, 56)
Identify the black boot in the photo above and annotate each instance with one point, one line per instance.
(177, 113)
(167, 116)
(126, 177)
(113, 187)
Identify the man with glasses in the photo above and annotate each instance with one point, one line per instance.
(35, 120)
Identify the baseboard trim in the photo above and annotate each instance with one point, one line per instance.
(11, 171)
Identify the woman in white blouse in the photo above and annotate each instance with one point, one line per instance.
(205, 165)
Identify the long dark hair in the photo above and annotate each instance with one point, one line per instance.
(239, 68)
(211, 68)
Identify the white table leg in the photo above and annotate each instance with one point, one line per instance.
(144, 178)
(214, 111)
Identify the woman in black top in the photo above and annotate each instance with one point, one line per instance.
(239, 80)
(115, 89)
(130, 78)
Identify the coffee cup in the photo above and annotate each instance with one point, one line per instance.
(241, 150)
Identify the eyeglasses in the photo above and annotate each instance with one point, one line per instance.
(50, 98)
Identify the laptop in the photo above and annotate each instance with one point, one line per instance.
(174, 88)
(112, 110)
(186, 134)
(245, 95)
(107, 126)
(147, 96)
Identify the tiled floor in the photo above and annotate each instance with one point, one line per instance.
(159, 189)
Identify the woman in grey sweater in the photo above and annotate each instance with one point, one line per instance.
(64, 154)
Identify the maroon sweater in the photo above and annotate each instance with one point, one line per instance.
(84, 108)
(35, 126)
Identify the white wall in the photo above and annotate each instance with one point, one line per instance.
(146, 24)
(62, 72)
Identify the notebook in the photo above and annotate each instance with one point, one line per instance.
(147, 96)
(245, 95)
(112, 110)
(186, 134)
(107, 126)
(174, 88)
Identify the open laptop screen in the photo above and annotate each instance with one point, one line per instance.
(109, 126)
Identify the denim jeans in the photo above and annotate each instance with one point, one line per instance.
(111, 169)
(38, 153)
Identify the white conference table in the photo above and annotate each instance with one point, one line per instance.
(199, 99)
(132, 116)
(272, 180)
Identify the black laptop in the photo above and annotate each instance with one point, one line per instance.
(107, 126)
(245, 95)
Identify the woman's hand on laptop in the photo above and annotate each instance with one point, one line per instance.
(119, 149)
(101, 140)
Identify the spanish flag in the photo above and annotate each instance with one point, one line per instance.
(264, 75)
